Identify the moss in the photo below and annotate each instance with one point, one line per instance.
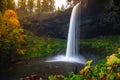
(40, 46)
(107, 44)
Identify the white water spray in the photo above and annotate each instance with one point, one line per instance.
(72, 51)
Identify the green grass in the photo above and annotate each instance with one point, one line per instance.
(40, 46)
(106, 44)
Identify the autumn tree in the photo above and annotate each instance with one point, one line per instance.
(11, 36)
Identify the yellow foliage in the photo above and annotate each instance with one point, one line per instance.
(11, 30)
(118, 50)
(14, 22)
(59, 76)
(112, 59)
(9, 14)
(20, 51)
(16, 31)
(20, 38)
(11, 18)
(21, 30)
(118, 75)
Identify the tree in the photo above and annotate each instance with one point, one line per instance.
(3, 4)
(58, 9)
(48, 5)
(30, 5)
(63, 8)
(22, 5)
(10, 4)
(11, 36)
(51, 5)
(6, 4)
(73, 2)
(39, 6)
(45, 5)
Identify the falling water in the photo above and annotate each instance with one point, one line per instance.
(73, 35)
(72, 51)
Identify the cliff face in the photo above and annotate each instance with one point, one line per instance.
(98, 18)
(101, 18)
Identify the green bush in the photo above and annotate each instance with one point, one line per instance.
(106, 44)
(11, 37)
(42, 46)
(107, 70)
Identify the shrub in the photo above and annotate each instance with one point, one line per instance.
(11, 36)
(107, 70)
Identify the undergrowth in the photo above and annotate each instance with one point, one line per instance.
(106, 70)
(40, 46)
(104, 45)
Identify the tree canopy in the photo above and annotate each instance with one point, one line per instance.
(11, 35)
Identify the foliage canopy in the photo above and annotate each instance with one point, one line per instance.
(11, 35)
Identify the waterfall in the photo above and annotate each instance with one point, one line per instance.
(74, 32)
(72, 50)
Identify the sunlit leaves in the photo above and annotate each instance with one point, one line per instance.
(118, 50)
(56, 77)
(9, 14)
(88, 65)
(110, 70)
(113, 59)
(11, 33)
(21, 51)
(118, 75)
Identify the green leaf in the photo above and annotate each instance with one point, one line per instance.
(88, 65)
(89, 62)
(118, 69)
(118, 50)
(109, 68)
(113, 59)
(77, 77)
(51, 77)
(71, 74)
(112, 76)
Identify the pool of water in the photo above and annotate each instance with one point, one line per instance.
(44, 69)
(39, 67)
